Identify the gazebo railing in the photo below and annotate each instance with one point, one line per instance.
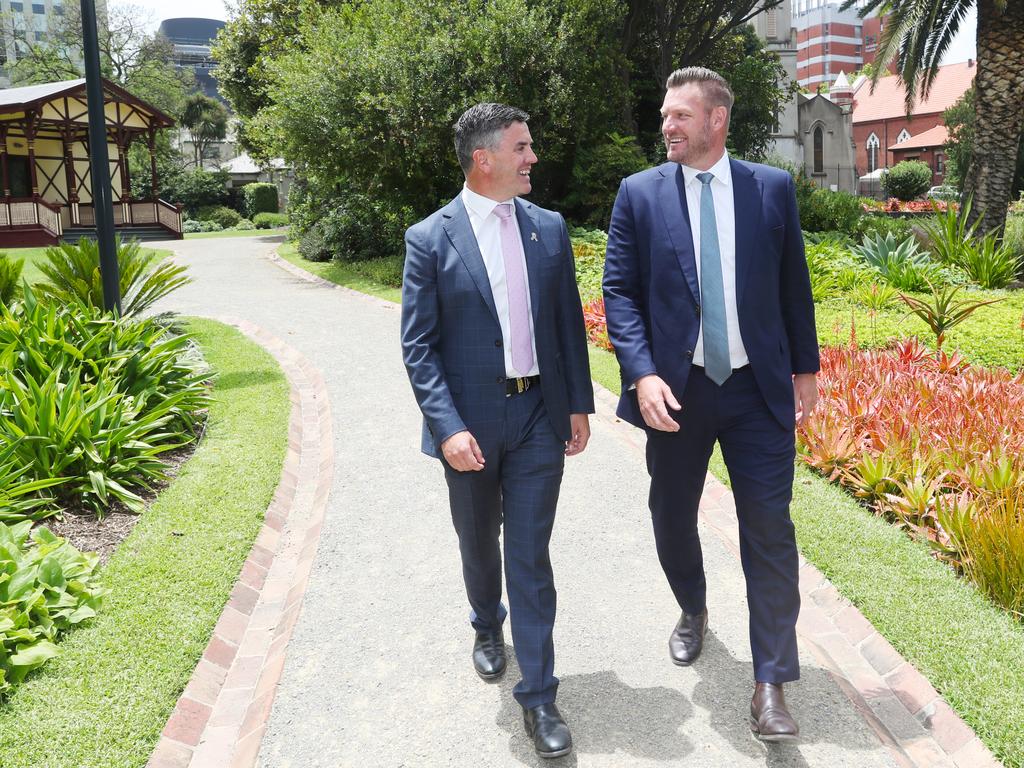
(31, 212)
(137, 213)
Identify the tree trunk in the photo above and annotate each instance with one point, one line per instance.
(998, 87)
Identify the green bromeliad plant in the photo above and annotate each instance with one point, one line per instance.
(89, 403)
(46, 588)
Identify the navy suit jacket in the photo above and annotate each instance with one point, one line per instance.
(652, 297)
(451, 338)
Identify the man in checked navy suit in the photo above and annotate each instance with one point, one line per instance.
(495, 347)
(709, 309)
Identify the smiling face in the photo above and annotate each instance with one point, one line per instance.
(504, 171)
(694, 132)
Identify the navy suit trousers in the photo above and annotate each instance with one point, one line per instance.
(759, 455)
(517, 488)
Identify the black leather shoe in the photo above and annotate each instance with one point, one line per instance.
(551, 737)
(769, 718)
(489, 655)
(687, 638)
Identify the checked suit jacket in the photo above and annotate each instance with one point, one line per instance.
(451, 338)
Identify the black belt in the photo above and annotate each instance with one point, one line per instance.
(518, 386)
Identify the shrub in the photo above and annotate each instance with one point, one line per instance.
(597, 172)
(245, 225)
(1013, 234)
(824, 210)
(92, 400)
(907, 180)
(197, 188)
(259, 198)
(73, 274)
(313, 245)
(49, 588)
(191, 225)
(226, 217)
(386, 271)
(270, 220)
(597, 324)
(210, 226)
(989, 263)
(880, 224)
(10, 273)
(358, 228)
(588, 249)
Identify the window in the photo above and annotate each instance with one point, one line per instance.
(819, 150)
(871, 145)
(771, 24)
(940, 163)
(40, 36)
(38, 8)
(17, 7)
(904, 135)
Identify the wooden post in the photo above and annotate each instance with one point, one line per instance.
(30, 137)
(151, 143)
(3, 160)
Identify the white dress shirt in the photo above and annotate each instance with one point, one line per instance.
(487, 229)
(725, 218)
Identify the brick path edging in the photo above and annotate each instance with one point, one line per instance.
(899, 704)
(220, 718)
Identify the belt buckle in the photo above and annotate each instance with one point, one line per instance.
(522, 384)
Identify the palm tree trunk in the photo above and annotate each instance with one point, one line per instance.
(999, 101)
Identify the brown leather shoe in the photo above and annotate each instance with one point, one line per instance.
(769, 718)
(687, 640)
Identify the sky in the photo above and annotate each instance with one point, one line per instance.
(963, 46)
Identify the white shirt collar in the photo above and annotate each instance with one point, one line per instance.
(478, 204)
(720, 170)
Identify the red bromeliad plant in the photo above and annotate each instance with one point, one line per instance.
(597, 325)
(933, 444)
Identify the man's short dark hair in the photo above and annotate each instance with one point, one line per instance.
(480, 127)
(713, 87)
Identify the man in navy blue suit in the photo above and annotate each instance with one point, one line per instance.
(710, 312)
(495, 347)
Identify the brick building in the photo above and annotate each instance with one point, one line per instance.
(828, 41)
(883, 133)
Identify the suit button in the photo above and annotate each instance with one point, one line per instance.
(500, 379)
(696, 310)
(689, 353)
(497, 342)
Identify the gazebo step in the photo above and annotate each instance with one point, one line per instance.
(74, 234)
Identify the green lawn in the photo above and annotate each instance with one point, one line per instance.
(33, 256)
(103, 702)
(237, 233)
(972, 652)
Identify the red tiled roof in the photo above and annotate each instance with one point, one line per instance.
(888, 100)
(933, 137)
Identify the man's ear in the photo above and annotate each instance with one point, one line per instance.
(719, 116)
(482, 160)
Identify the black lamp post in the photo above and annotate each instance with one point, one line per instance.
(102, 201)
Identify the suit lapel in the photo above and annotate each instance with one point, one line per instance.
(533, 249)
(672, 197)
(747, 207)
(460, 232)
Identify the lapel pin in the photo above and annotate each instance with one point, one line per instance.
(533, 236)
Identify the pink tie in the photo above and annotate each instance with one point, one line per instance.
(515, 282)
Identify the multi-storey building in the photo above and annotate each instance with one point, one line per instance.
(828, 41)
(26, 22)
(192, 39)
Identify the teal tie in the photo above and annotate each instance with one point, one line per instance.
(717, 366)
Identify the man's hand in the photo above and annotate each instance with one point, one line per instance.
(462, 452)
(580, 425)
(655, 399)
(805, 393)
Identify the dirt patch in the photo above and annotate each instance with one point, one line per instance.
(88, 533)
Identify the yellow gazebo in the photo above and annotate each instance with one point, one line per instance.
(44, 160)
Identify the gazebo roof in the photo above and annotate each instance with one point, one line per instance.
(37, 97)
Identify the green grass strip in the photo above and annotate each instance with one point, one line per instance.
(236, 233)
(104, 701)
(342, 273)
(972, 652)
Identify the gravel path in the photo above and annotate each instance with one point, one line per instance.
(378, 672)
